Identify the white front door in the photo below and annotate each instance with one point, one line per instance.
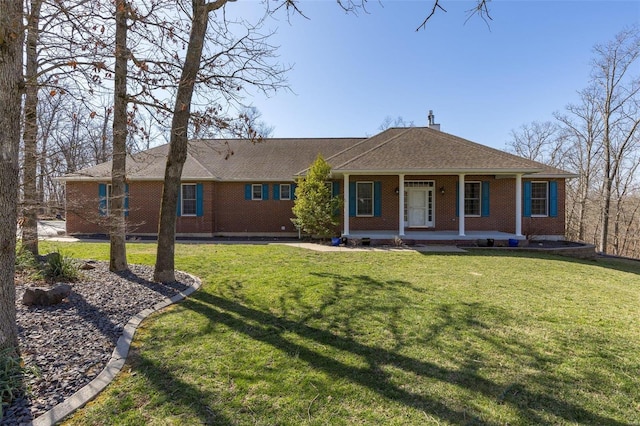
(420, 207)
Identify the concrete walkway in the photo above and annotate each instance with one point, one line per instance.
(306, 246)
(54, 230)
(408, 249)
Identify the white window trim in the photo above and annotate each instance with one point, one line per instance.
(253, 197)
(283, 185)
(479, 199)
(546, 199)
(182, 199)
(373, 201)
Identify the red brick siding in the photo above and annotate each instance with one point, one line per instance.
(235, 214)
(227, 211)
(144, 207)
(82, 214)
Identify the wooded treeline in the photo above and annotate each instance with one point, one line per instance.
(598, 138)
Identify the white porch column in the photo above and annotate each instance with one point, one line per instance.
(519, 205)
(345, 214)
(401, 205)
(461, 205)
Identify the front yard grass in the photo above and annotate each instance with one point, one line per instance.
(283, 336)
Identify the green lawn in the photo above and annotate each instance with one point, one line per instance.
(283, 336)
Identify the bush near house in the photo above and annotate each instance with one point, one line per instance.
(315, 208)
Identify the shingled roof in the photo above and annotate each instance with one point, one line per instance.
(226, 160)
(414, 150)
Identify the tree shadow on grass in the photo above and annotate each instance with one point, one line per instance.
(179, 392)
(270, 329)
(609, 262)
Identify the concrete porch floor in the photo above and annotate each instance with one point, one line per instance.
(434, 236)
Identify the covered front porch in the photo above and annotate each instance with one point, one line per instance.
(424, 202)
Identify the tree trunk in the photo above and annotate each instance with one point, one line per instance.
(42, 161)
(11, 86)
(164, 268)
(117, 231)
(30, 134)
(606, 191)
(584, 194)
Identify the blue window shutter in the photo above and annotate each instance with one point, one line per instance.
(199, 200)
(247, 191)
(179, 205)
(553, 199)
(126, 199)
(352, 199)
(485, 198)
(265, 191)
(293, 191)
(377, 199)
(527, 199)
(276, 191)
(102, 195)
(457, 199)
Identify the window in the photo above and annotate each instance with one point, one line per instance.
(256, 191)
(105, 193)
(109, 196)
(285, 191)
(189, 199)
(539, 198)
(472, 199)
(364, 196)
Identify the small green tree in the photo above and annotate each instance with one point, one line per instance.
(315, 208)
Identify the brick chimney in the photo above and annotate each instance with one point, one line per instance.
(432, 123)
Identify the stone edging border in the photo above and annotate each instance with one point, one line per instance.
(114, 365)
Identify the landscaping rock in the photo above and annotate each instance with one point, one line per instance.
(66, 346)
(87, 266)
(46, 296)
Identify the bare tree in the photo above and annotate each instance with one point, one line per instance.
(30, 134)
(582, 126)
(117, 234)
(222, 63)
(61, 50)
(619, 108)
(543, 142)
(164, 268)
(394, 122)
(11, 88)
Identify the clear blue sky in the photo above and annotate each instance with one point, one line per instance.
(350, 72)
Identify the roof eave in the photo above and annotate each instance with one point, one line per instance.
(542, 175)
(437, 171)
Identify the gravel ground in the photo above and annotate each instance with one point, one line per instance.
(66, 346)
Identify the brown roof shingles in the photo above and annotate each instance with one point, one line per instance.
(424, 149)
(396, 150)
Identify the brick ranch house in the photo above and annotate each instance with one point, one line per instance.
(417, 183)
